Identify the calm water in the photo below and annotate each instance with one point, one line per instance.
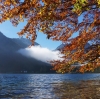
(37, 86)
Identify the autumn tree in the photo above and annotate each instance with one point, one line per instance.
(60, 20)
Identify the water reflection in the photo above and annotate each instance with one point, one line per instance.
(49, 86)
(35, 86)
(82, 90)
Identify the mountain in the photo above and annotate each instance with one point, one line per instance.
(17, 63)
(60, 46)
(6, 44)
(23, 42)
(13, 62)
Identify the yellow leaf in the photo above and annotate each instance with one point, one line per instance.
(7, 18)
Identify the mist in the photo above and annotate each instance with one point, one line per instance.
(40, 53)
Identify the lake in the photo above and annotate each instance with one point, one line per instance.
(50, 86)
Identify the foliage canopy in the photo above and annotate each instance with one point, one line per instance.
(60, 20)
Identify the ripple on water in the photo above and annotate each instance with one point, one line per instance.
(41, 86)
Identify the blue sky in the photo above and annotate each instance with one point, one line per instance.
(10, 31)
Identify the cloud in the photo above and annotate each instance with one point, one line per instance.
(39, 53)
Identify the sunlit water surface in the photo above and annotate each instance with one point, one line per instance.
(37, 86)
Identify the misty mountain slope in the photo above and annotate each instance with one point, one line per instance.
(6, 44)
(17, 63)
(23, 42)
(13, 62)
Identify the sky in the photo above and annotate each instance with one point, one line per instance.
(10, 31)
(45, 52)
